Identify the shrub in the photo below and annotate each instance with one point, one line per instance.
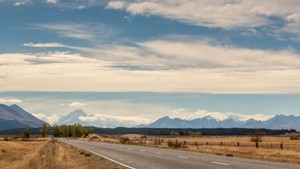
(229, 155)
(6, 139)
(25, 133)
(294, 138)
(257, 136)
(175, 144)
(124, 140)
(170, 143)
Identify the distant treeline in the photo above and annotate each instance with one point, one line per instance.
(76, 130)
(63, 130)
(185, 132)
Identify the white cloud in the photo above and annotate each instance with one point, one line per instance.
(43, 45)
(116, 5)
(51, 1)
(10, 101)
(49, 119)
(233, 14)
(77, 104)
(188, 114)
(102, 120)
(81, 7)
(83, 31)
(20, 3)
(178, 65)
(225, 14)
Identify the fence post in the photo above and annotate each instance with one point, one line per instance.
(221, 143)
(195, 143)
(238, 144)
(281, 146)
(256, 144)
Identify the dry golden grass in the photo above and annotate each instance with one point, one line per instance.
(48, 154)
(269, 149)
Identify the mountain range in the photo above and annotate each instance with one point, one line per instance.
(13, 116)
(277, 122)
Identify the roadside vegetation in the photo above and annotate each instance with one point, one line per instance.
(47, 153)
(255, 146)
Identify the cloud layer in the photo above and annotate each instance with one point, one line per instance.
(223, 13)
(10, 101)
(179, 65)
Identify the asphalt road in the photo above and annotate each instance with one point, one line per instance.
(139, 157)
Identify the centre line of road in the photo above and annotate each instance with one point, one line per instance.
(127, 166)
(182, 157)
(158, 153)
(142, 150)
(219, 163)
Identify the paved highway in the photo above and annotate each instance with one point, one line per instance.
(139, 157)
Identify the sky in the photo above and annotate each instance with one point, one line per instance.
(142, 59)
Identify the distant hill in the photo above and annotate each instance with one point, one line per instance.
(13, 116)
(277, 122)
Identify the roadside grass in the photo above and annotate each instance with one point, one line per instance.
(269, 149)
(48, 154)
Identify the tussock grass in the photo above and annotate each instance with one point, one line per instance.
(269, 149)
(47, 154)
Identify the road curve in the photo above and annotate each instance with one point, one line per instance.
(139, 157)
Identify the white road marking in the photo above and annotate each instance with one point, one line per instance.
(219, 163)
(142, 150)
(158, 153)
(182, 157)
(104, 157)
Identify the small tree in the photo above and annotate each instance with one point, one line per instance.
(44, 130)
(56, 131)
(25, 133)
(257, 136)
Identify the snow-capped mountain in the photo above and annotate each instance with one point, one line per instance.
(72, 118)
(277, 122)
(99, 120)
(109, 121)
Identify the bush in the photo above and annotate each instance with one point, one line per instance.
(6, 139)
(175, 144)
(124, 140)
(257, 136)
(294, 138)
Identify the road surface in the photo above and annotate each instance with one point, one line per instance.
(140, 157)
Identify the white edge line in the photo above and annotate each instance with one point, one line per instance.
(219, 163)
(103, 156)
(182, 157)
